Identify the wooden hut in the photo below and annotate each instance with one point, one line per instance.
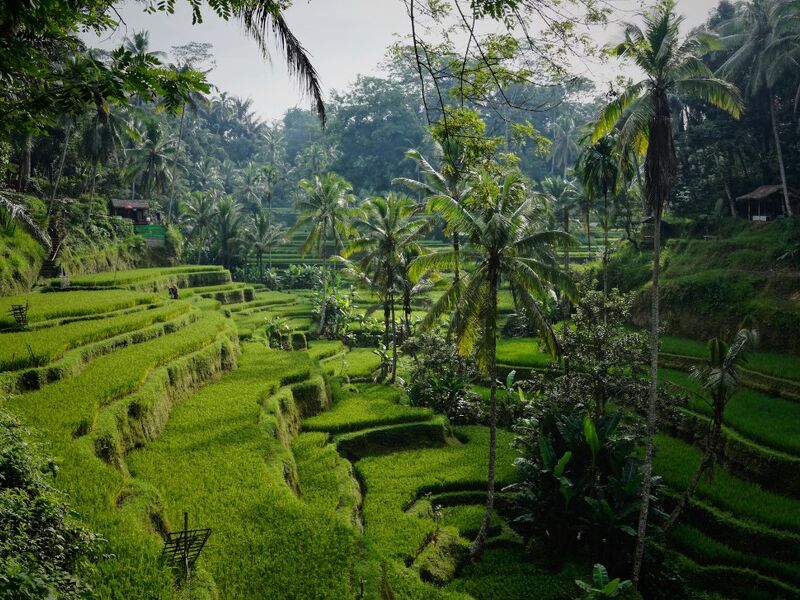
(137, 211)
(765, 203)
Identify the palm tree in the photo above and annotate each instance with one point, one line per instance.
(451, 181)
(262, 236)
(720, 378)
(192, 100)
(672, 68)
(764, 35)
(100, 140)
(149, 162)
(198, 214)
(324, 206)
(599, 171)
(249, 187)
(227, 228)
(388, 228)
(206, 176)
(503, 243)
(565, 144)
(561, 195)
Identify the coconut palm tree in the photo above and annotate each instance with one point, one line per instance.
(324, 205)
(198, 213)
(387, 228)
(250, 187)
(565, 146)
(450, 181)
(101, 138)
(562, 197)
(764, 36)
(673, 68)
(228, 225)
(262, 236)
(504, 243)
(599, 171)
(720, 378)
(148, 163)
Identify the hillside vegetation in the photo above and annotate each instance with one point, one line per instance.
(709, 285)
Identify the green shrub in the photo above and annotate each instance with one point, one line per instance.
(41, 544)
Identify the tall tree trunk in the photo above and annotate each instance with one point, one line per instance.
(709, 457)
(407, 312)
(456, 251)
(387, 314)
(477, 546)
(91, 189)
(175, 164)
(779, 152)
(588, 231)
(260, 266)
(394, 341)
(647, 467)
(566, 230)
(605, 254)
(60, 168)
(324, 305)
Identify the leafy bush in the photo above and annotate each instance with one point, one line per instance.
(581, 485)
(440, 378)
(40, 542)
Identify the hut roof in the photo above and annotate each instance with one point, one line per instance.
(119, 203)
(764, 191)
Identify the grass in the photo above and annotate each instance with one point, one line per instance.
(40, 346)
(675, 461)
(107, 278)
(522, 352)
(707, 551)
(394, 481)
(45, 307)
(767, 420)
(372, 406)
(326, 479)
(506, 572)
(219, 460)
(105, 498)
(68, 403)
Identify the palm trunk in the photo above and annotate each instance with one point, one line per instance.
(477, 546)
(605, 255)
(91, 190)
(566, 230)
(779, 152)
(407, 312)
(394, 340)
(456, 250)
(588, 231)
(324, 306)
(175, 164)
(387, 313)
(60, 168)
(647, 466)
(709, 456)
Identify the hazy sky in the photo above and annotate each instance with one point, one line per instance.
(344, 37)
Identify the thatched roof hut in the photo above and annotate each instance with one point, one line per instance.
(766, 203)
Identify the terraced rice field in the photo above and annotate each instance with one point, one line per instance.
(318, 483)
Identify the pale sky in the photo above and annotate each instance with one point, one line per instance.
(345, 38)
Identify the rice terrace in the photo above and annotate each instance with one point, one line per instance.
(459, 299)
